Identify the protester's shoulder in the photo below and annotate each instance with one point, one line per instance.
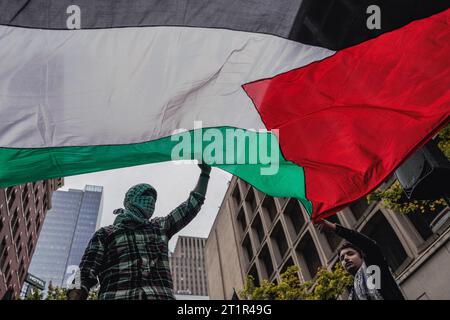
(106, 231)
(158, 222)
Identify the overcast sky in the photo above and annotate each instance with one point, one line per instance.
(173, 182)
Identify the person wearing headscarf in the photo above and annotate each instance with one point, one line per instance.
(130, 259)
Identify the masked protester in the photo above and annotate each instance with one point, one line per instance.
(131, 257)
(356, 256)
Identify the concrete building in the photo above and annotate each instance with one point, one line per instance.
(255, 234)
(66, 232)
(22, 212)
(187, 265)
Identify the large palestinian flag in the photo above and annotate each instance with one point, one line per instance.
(347, 104)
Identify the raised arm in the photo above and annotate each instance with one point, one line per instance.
(185, 212)
(202, 183)
(90, 266)
(370, 248)
(366, 244)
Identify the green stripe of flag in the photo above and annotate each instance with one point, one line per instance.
(32, 164)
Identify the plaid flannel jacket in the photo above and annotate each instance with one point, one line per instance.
(132, 261)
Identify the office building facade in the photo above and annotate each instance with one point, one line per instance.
(22, 212)
(255, 234)
(187, 264)
(66, 232)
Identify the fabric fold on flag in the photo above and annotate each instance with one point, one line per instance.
(351, 119)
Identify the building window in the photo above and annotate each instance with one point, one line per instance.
(15, 222)
(248, 248)
(421, 222)
(18, 240)
(424, 222)
(259, 230)
(10, 195)
(7, 271)
(267, 261)
(242, 220)
(45, 208)
(359, 207)
(25, 202)
(38, 223)
(3, 253)
(309, 257)
(19, 252)
(294, 217)
(287, 264)
(36, 191)
(280, 242)
(254, 273)
(25, 193)
(15, 228)
(8, 192)
(30, 245)
(27, 214)
(269, 208)
(237, 196)
(21, 270)
(11, 201)
(250, 199)
(379, 229)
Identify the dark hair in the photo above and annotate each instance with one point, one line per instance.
(346, 245)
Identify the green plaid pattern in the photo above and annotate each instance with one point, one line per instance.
(131, 259)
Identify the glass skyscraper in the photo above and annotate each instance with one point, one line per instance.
(67, 229)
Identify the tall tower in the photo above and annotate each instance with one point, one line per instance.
(66, 232)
